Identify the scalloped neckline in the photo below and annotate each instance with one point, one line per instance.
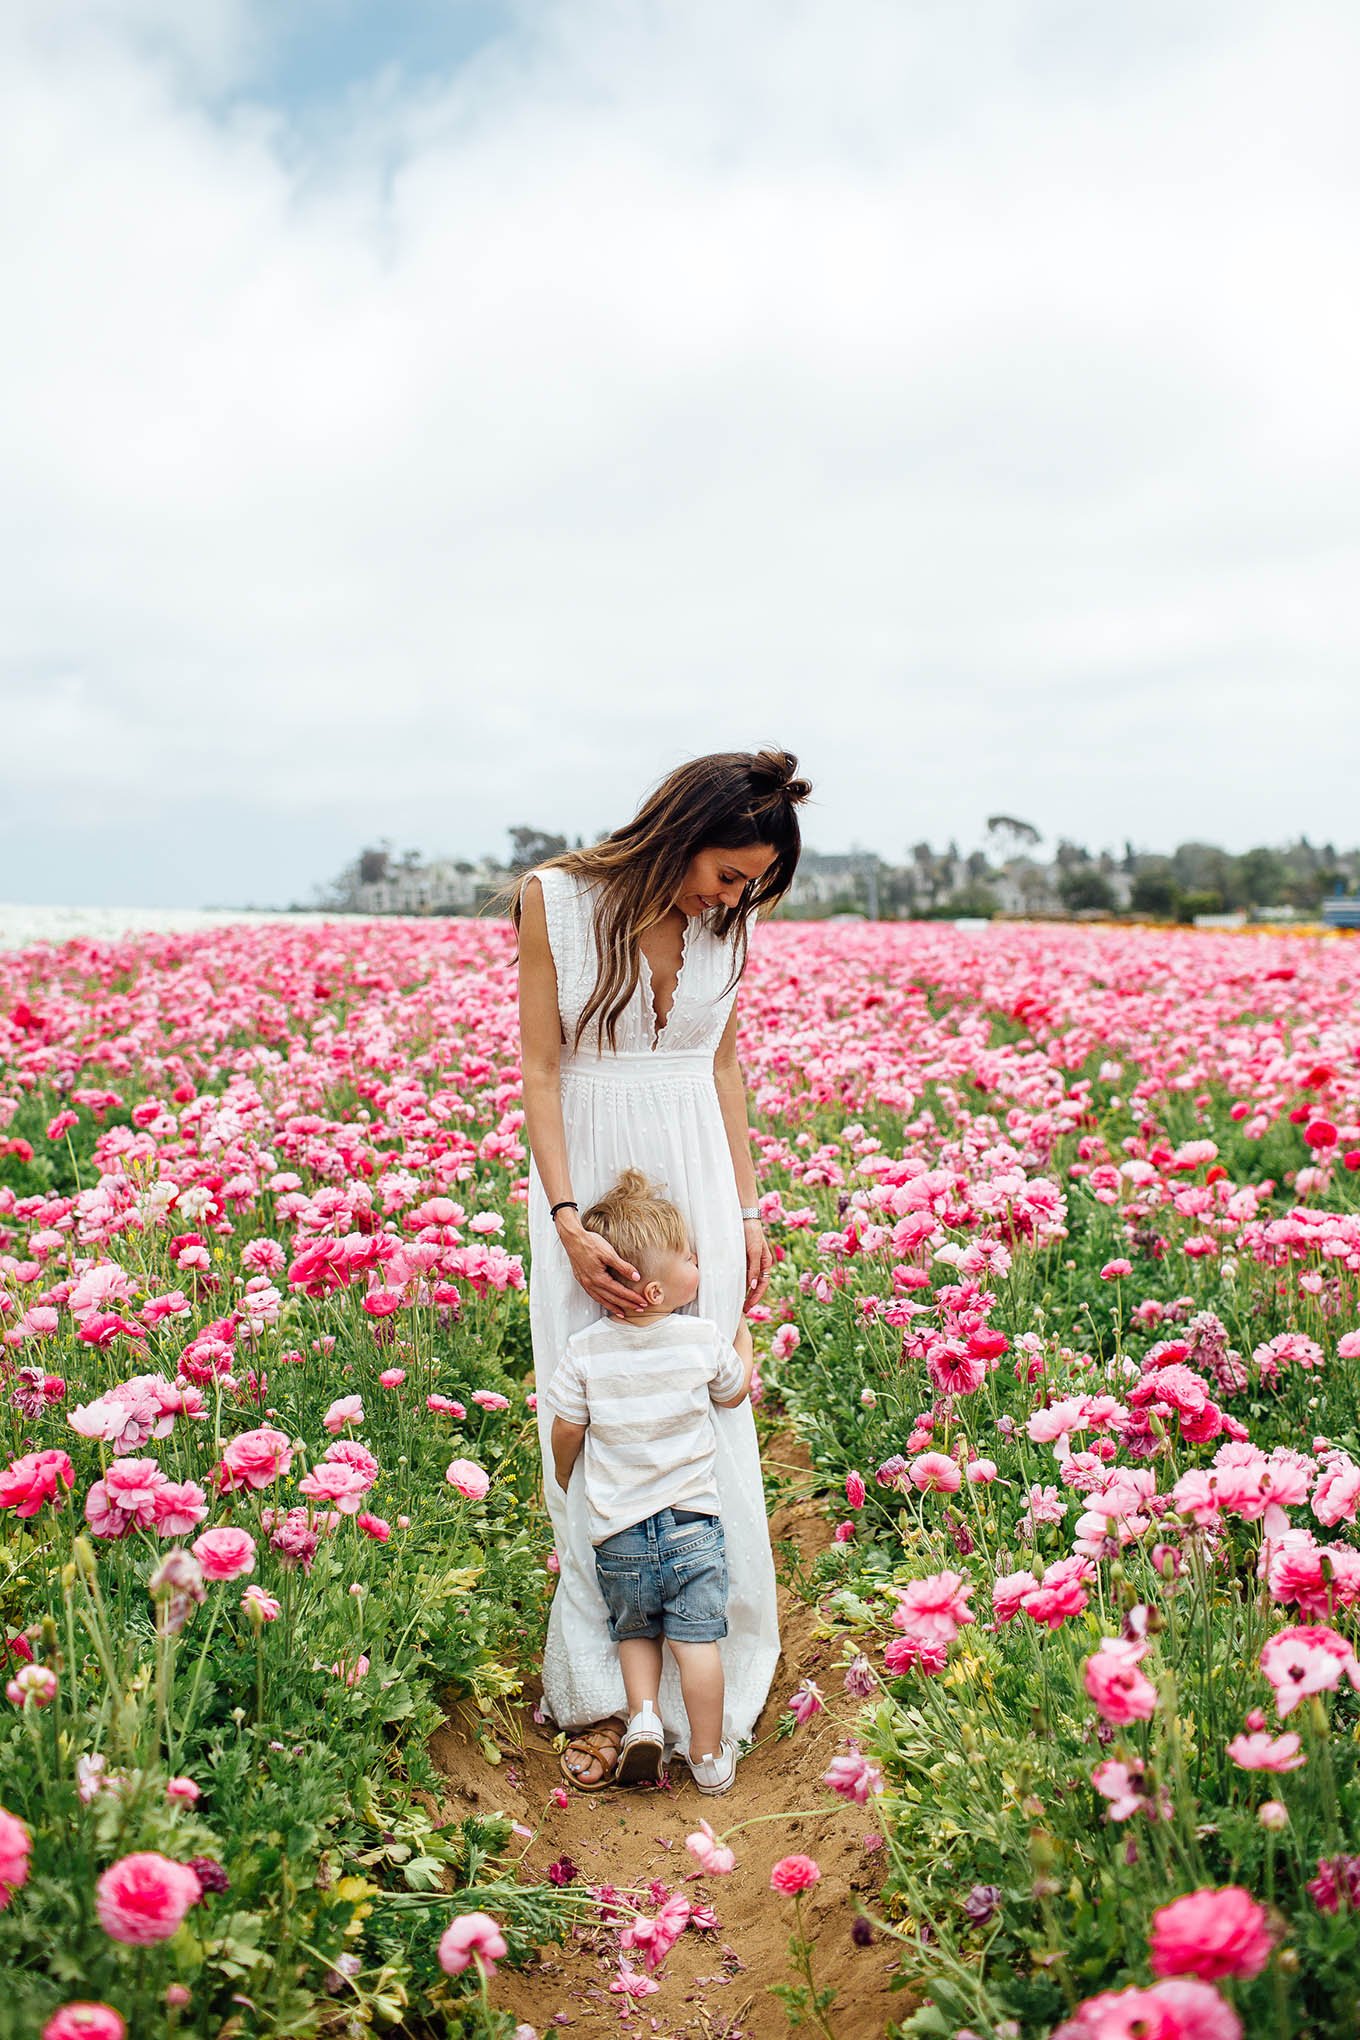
(658, 1026)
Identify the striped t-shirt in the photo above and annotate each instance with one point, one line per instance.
(646, 1393)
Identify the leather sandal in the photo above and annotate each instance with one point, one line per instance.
(600, 1742)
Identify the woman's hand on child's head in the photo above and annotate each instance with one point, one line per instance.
(604, 1276)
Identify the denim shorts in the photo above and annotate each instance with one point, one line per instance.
(666, 1576)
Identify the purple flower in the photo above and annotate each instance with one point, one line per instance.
(982, 1901)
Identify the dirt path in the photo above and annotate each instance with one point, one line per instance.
(714, 1984)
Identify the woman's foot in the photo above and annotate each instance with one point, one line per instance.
(591, 1757)
(715, 1774)
(643, 1751)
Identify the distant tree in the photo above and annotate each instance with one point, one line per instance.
(1011, 835)
(1156, 893)
(975, 900)
(1261, 877)
(1203, 867)
(977, 867)
(1206, 901)
(531, 847)
(1085, 889)
(374, 863)
(1069, 855)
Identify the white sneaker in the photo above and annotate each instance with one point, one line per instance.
(714, 1775)
(642, 1753)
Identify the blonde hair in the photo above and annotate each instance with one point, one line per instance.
(638, 1222)
(730, 800)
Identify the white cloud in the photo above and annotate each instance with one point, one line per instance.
(966, 398)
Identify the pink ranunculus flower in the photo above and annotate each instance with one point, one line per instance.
(32, 1686)
(225, 1553)
(714, 1858)
(1266, 1752)
(1008, 1594)
(255, 1458)
(468, 1478)
(806, 1700)
(853, 1776)
(184, 1790)
(264, 1607)
(180, 1506)
(854, 1490)
(935, 1473)
(15, 1847)
(349, 1409)
(143, 1898)
(84, 2019)
(1178, 2009)
(36, 1478)
(1210, 1933)
(1113, 1680)
(933, 1610)
(350, 1674)
(473, 1936)
(1305, 1660)
(981, 1472)
(1114, 1271)
(792, 1874)
(392, 1377)
(335, 1482)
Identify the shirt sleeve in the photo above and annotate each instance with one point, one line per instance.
(566, 1392)
(729, 1371)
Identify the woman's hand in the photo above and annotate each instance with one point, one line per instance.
(599, 1270)
(759, 1261)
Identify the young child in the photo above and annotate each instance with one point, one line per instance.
(638, 1395)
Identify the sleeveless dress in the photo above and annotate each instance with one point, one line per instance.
(651, 1105)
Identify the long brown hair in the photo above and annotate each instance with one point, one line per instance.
(727, 801)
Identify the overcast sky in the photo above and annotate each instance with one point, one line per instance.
(421, 418)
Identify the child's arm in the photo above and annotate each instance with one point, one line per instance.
(567, 1440)
(746, 1353)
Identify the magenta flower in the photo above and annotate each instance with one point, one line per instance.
(473, 1937)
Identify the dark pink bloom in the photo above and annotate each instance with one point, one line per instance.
(1211, 1933)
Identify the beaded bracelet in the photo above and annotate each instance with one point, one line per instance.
(749, 1212)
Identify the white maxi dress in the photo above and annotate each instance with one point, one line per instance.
(652, 1105)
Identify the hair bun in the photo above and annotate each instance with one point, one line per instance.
(779, 772)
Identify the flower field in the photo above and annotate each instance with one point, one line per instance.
(1067, 1316)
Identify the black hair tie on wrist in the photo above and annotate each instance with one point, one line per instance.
(567, 1204)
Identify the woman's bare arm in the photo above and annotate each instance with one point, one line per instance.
(594, 1263)
(731, 1089)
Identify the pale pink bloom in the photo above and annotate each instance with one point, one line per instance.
(487, 1399)
(1178, 2009)
(181, 1506)
(1008, 1593)
(349, 1409)
(392, 1377)
(935, 1473)
(1348, 1346)
(442, 1405)
(15, 1846)
(143, 1898)
(853, 1776)
(1273, 1815)
(83, 2019)
(785, 1341)
(1210, 1933)
(184, 1789)
(1114, 1271)
(350, 1674)
(912, 1653)
(1306, 1660)
(656, 1937)
(225, 1553)
(1337, 1494)
(1266, 1752)
(335, 1482)
(90, 1777)
(1122, 1785)
(630, 1983)
(473, 1936)
(1113, 1680)
(1047, 1427)
(1060, 1593)
(266, 1608)
(805, 1701)
(981, 1472)
(792, 1874)
(714, 1858)
(468, 1479)
(933, 1610)
(255, 1458)
(32, 1686)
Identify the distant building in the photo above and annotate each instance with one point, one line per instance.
(444, 887)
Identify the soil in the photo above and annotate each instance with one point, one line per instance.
(713, 1984)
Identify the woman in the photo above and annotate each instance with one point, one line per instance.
(630, 955)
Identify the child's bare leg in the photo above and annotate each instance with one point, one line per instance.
(742, 1341)
(640, 1663)
(701, 1682)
